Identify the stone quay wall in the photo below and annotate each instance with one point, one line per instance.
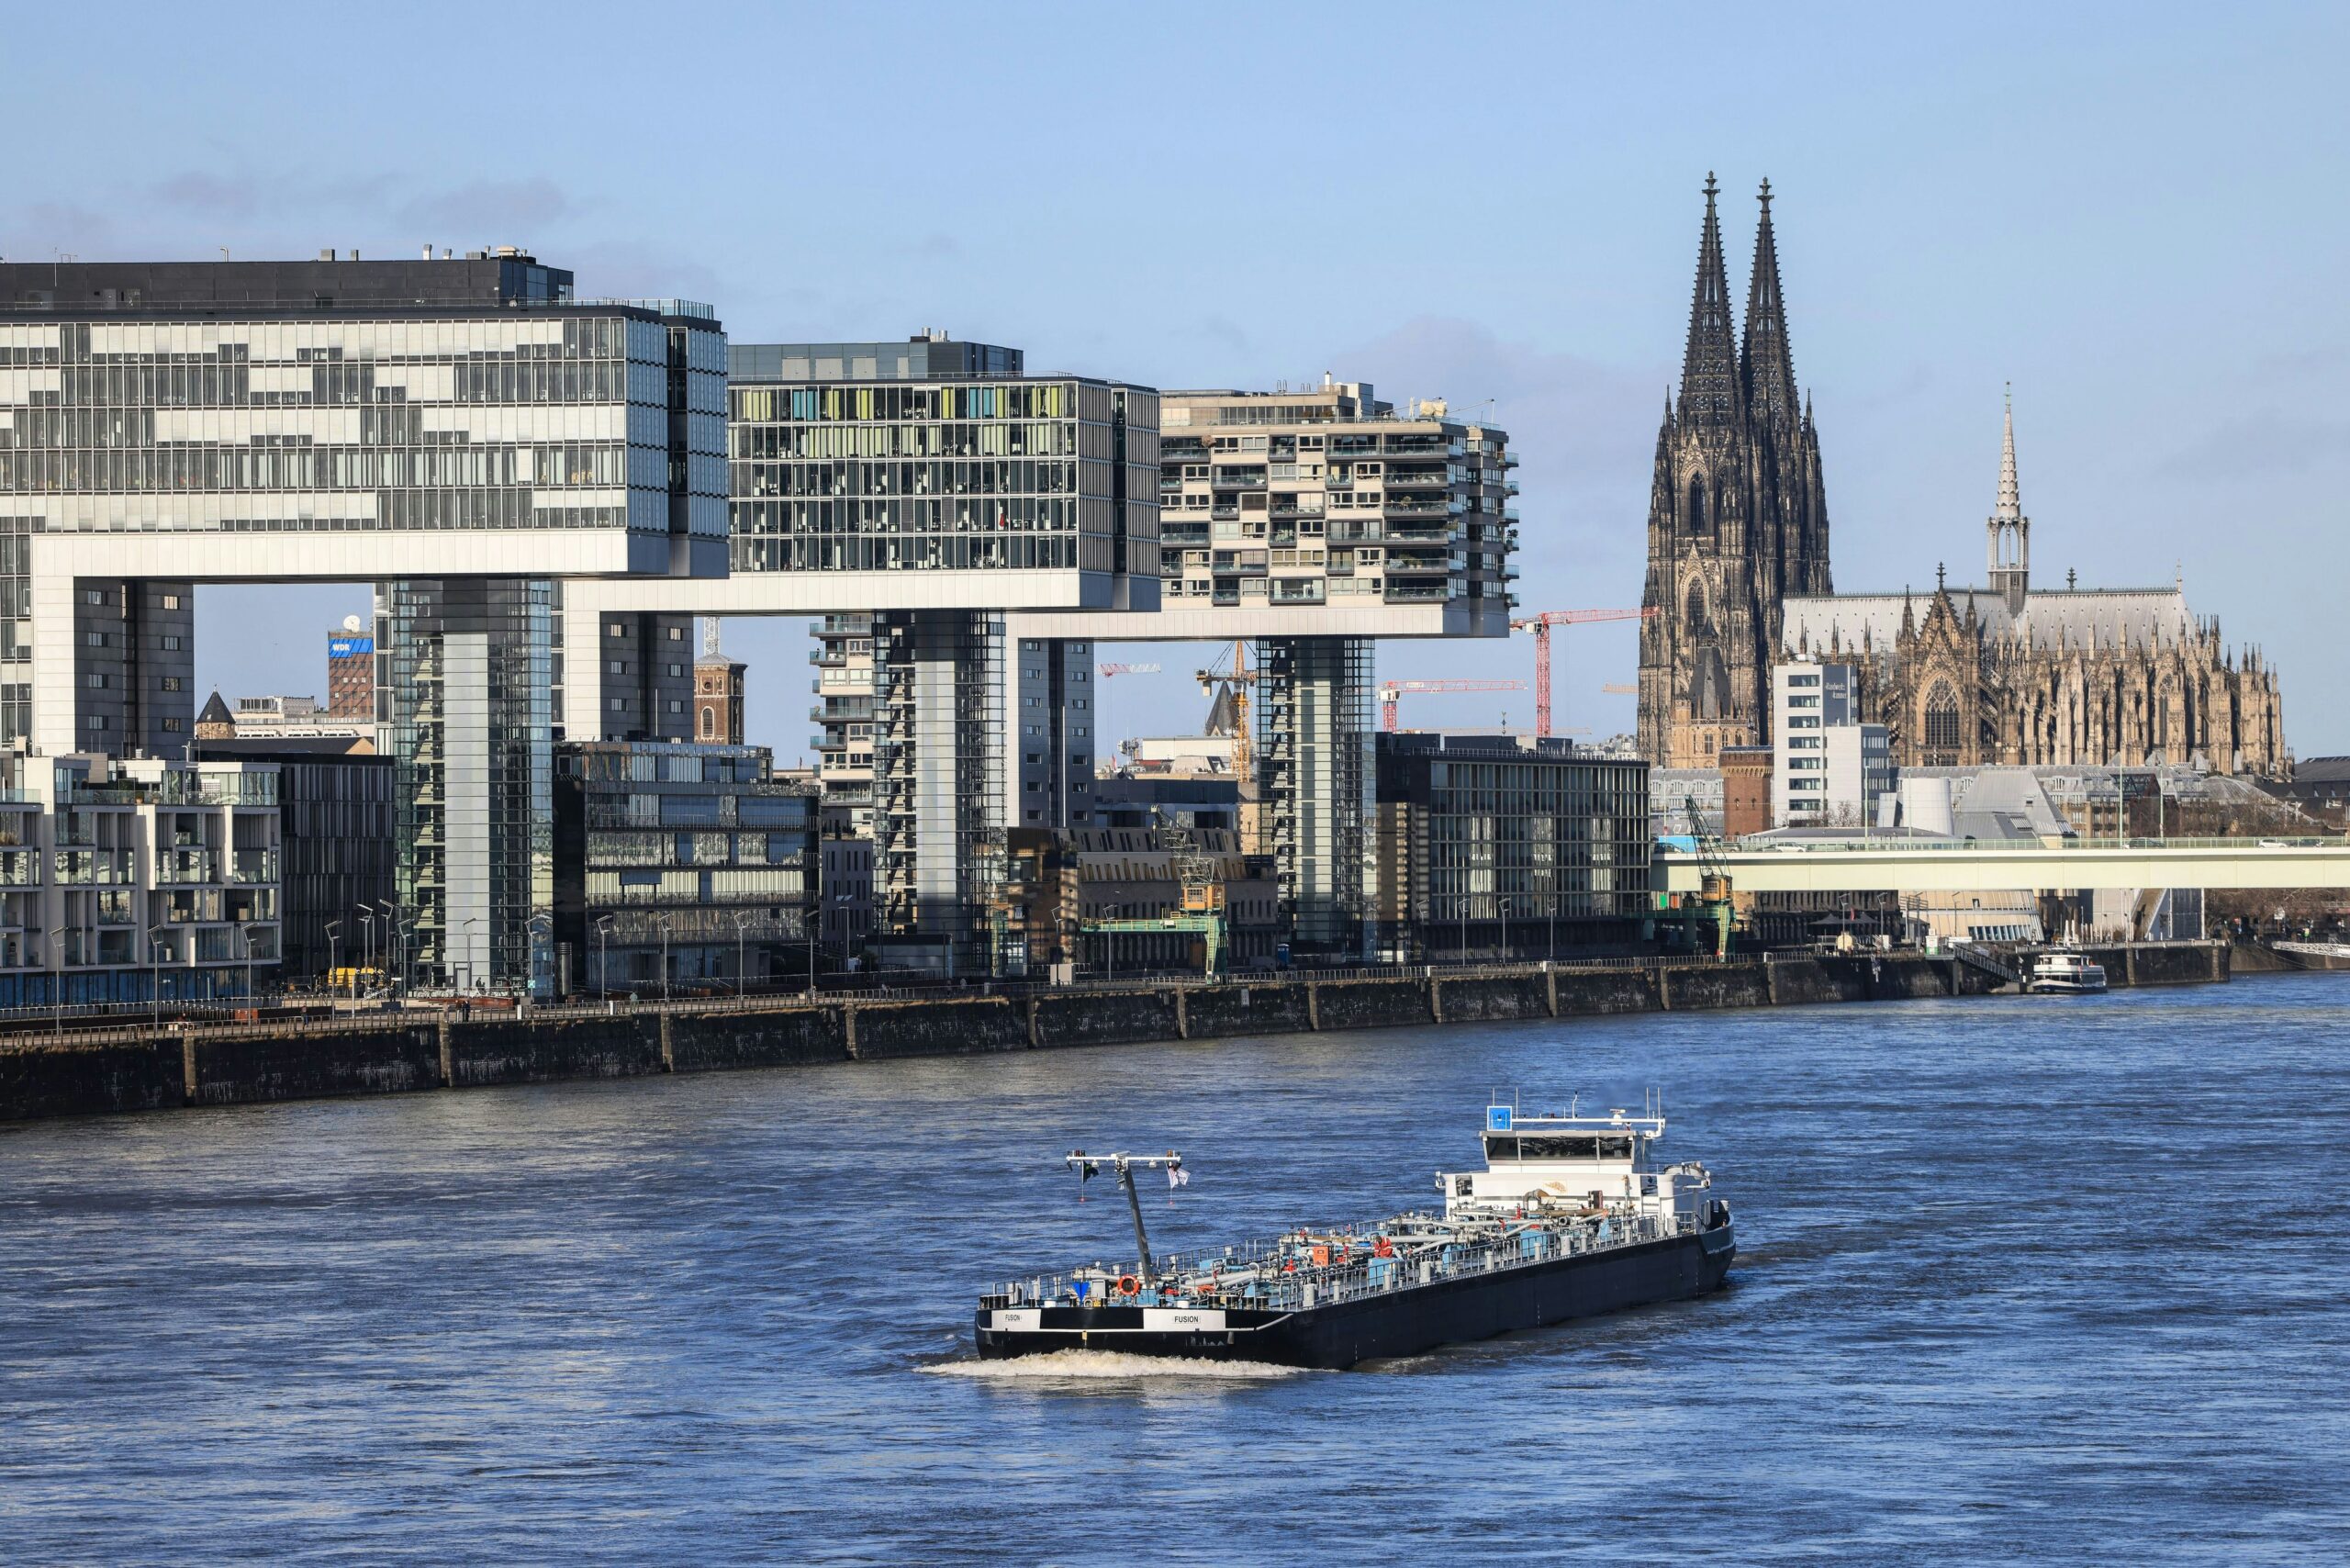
(138, 1067)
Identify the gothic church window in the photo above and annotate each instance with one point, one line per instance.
(1941, 726)
(1693, 616)
(1697, 506)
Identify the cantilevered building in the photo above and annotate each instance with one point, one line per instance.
(911, 493)
(1305, 524)
(458, 432)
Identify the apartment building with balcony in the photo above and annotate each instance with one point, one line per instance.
(124, 881)
(1309, 522)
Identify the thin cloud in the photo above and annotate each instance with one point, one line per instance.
(2258, 447)
(487, 206)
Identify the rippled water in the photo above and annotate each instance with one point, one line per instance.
(2054, 1279)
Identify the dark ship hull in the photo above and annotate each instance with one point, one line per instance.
(1401, 1322)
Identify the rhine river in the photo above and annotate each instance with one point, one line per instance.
(2049, 1279)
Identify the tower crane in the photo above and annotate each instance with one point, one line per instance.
(1391, 691)
(1231, 671)
(1540, 626)
(1109, 670)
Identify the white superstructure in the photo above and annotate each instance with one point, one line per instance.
(1576, 1161)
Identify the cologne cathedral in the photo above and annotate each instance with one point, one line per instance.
(1737, 580)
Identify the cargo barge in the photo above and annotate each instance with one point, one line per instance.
(1570, 1219)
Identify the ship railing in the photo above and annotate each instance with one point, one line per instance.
(1252, 1275)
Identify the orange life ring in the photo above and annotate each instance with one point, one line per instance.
(1129, 1285)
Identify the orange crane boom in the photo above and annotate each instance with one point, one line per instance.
(1540, 626)
(1391, 691)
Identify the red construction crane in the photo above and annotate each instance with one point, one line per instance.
(1540, 626)
(1109, 670)
(1390, 691)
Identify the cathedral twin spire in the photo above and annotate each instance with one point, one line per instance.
(1725, 379)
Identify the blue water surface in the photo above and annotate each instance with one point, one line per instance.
(2051, 1278)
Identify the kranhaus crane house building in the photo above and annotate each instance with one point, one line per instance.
(1308, 522)
(927, 488)
(461, 432)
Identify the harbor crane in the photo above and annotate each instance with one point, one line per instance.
(1391, 693)
(1540, 626)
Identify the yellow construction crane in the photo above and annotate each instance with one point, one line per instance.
(1230, 670)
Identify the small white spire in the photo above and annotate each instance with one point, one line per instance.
(710, 636)
(2010, 495)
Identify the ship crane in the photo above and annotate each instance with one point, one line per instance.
(1540, 626)
(1391, 693)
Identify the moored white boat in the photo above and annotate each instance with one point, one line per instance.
(2065, 972)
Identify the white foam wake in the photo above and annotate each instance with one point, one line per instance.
(1073, 1366)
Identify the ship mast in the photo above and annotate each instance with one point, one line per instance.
(1124, 1164)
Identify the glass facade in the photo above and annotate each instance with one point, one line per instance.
(1012, 475)
(466, 710)
(343, 421)
(697, 844)
(524, 421)
(1497, 846)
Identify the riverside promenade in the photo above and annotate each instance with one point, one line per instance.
(137, 1067)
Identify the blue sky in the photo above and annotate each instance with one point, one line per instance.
(2132, 213)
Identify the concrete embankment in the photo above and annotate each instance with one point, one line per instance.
(138, 1070)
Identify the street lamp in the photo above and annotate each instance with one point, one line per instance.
(155, 974)
(741, 923)
(366, 924)
(391, 929)
(466, 938)
(245, 930)
(541, 921)
(604, 955)
(663, 920)
(334, 936)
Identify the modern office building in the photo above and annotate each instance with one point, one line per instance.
(1307, 522)
(926, 488)
(337, 850)
(845, 686)
(1508, 847)
(458, 432)
(679, 865)
(1828, 767)
(130, 880)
